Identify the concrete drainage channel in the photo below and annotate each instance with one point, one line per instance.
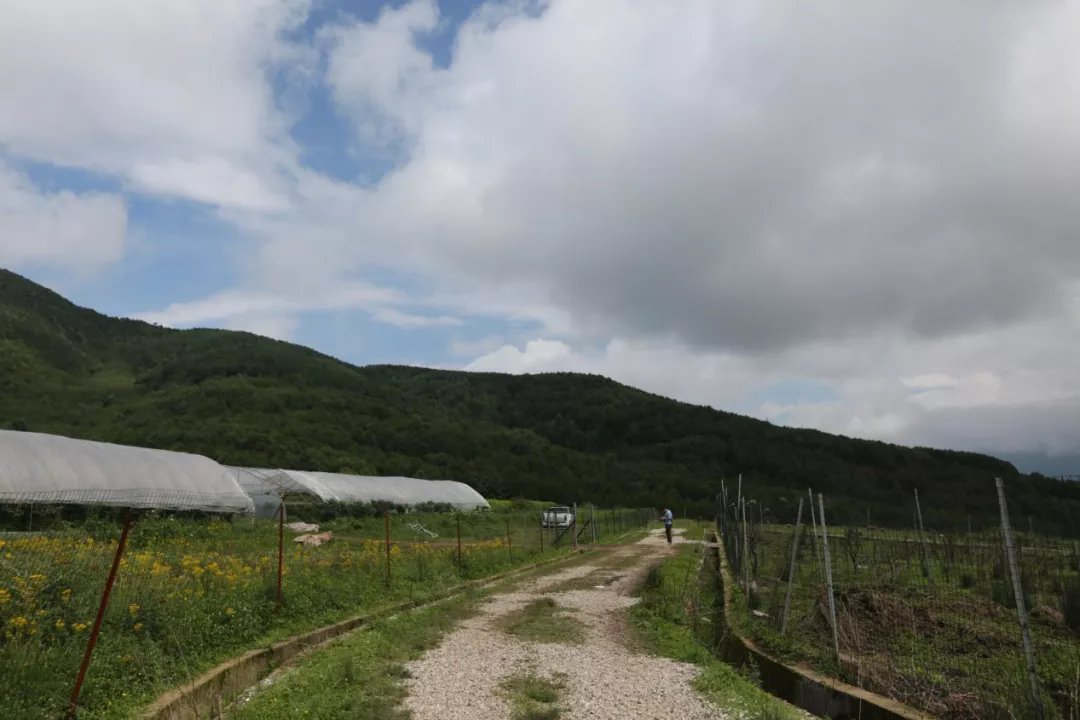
(210, 693)
(816, 693)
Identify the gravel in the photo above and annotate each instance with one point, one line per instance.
(605, 678)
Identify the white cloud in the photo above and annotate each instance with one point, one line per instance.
(410, 321)
(930, 381)
(233, 307)
(173, 97)
(81, 232)
(703, 199)
(538, 356)
(376, 71)
(707, 198)
(277, 327)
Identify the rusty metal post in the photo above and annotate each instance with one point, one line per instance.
(573, 526)
(541, 533)
(509, 546)
(91, 643)
(280, 552)
(386, 522)
(459, 558)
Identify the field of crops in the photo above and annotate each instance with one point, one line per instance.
(926, 618)
(191, 593)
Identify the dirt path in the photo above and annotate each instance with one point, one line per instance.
(603, 677)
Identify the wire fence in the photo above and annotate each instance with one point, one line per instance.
(192, 592)
(927, 617)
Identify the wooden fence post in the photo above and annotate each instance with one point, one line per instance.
(1021, 609)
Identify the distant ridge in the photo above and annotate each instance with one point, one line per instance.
(251, 401)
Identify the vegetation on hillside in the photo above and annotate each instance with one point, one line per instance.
(248, 400)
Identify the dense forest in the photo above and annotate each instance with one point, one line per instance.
(247, 400)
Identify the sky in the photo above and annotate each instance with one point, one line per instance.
(857, 217)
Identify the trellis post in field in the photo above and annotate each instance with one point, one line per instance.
(459, 559)
(509, 546)
(280, 552)
(573, 526)
(541, 533)
(792, 567)
(922, 537)
(739, 550)
(745, 555)
(386, 523)
(1021, 609)
(828, 575)
(91, 643)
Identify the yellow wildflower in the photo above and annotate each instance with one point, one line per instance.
(59, 624)
(5, 596)
(137, 627)
(133, 609)
(78, 627)
(65, 595)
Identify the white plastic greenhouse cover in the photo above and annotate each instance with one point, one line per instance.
(37, 468)
(361, 488)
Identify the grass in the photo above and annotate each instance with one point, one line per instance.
(360, 676)
(544, 620)
(676, 619)
(192, 593)
(534, 697)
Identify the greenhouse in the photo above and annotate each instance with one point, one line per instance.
(37, 468)
(335, 487)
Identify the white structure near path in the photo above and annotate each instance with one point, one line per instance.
(338, 487)
(38, 468)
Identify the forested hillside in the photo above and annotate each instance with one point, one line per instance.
(243, 399)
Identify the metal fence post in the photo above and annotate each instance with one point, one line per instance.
(828, 575)
(280, 552)
(745, 555)
(573, 526)
(1021, 609)
(386, 522)
(541, 533)
(459, 558)
(509, 546)
(91, 643)
(792, 567)
(922, 538)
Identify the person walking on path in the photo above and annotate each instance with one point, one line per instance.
(668, 518)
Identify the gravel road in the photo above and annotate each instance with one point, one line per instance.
(605, 677)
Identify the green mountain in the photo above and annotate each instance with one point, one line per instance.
(248, 400)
